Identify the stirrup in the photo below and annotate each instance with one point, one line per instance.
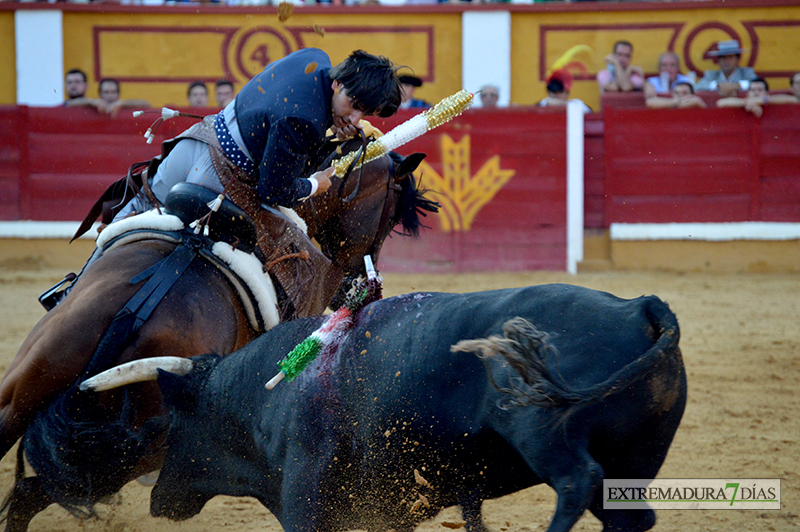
(53, 295)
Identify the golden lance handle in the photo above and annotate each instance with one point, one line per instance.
(418, 125)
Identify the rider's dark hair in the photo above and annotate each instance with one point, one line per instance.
(371, 82)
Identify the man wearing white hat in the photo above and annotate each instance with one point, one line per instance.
(730, 77)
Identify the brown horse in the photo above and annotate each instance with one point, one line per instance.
(84, 449)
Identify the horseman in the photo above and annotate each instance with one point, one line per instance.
(257, 147)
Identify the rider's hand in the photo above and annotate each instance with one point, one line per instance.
(323, 180)
(348, 131)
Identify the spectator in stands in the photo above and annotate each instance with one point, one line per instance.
(558, 86)
(224, 92)
(682, 95)
(409, 84)
(758, 96)
(620, 75)
(197, 94)
(76, 84)
(109, 90)
(490, 95)
(669, 68)
(794, 86)
(111, 103)
(730, 77)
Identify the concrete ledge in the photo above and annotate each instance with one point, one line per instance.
(711, 232)
(712, 247)
(601, 251)
(739, 256)
(31, 229)
(45, 253)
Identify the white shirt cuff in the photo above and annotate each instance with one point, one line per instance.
(314, 187)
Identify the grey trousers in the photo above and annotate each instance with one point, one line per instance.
(189, 161)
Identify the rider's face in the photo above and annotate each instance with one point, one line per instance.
(343, 111)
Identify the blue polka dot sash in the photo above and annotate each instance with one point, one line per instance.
(230, 147)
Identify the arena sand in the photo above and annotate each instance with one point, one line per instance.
(741, 345)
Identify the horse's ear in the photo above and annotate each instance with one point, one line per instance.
(409, 164)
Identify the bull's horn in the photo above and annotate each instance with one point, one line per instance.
(142, 370)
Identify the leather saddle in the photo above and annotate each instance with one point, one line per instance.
(229, 224)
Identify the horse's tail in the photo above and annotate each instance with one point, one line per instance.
(527, 350)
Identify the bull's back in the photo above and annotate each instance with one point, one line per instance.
(594, 333)
(399, 355)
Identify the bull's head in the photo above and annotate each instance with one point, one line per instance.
(211, 451)
(179, 492)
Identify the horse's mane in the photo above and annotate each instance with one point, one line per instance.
(413, 203)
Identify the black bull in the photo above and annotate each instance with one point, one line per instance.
(337, 448)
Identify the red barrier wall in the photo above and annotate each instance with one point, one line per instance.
(57, 161)
(500, 175)
(13, 160)
(779, 182)
(702, 165)
(522, 225)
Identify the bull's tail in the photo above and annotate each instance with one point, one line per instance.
(527, 350)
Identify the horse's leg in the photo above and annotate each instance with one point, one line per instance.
(51, 357)
(27, 499)
(59, 347)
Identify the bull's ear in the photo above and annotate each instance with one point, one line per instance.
(181, 392)
(177, 391)
(409, 164)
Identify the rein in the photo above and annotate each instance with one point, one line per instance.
(390, 186)
(321, 236)
(361, 154)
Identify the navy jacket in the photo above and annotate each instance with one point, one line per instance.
(283, 114)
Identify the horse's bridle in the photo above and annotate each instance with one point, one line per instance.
(362, 152)
(391, 186)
